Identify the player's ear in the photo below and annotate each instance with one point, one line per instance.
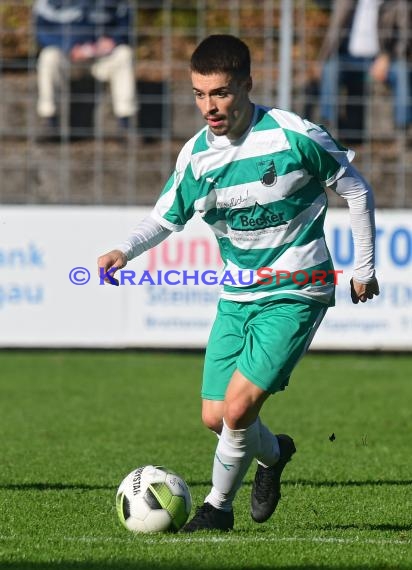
(249, 84)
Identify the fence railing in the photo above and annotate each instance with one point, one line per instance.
(89, 161)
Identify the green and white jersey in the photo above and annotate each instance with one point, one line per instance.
(264, 198)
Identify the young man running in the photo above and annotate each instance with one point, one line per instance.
(257, 176)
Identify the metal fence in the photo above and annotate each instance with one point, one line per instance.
(91, 162)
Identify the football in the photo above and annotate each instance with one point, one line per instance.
(153, 499)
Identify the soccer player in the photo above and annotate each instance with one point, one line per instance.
(257, 176)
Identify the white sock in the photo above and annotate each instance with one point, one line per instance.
(234, 454)
(269, 447)
(269, 451)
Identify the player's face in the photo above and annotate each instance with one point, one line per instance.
(224, 103)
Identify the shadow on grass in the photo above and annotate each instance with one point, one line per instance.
(309, 483)
(54, 487)
(125, 565)
(366, 526)
(39, 486)
(378, 483)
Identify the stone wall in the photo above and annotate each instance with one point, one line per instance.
(101, 166)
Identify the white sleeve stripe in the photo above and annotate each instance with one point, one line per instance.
(165, 223)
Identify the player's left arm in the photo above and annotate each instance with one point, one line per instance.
(330, 163)
(363, 291)
(359, 196)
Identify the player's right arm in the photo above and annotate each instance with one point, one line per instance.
(109, 263)
(146, 235)
(170, 214)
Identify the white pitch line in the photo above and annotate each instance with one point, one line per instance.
(147, 539)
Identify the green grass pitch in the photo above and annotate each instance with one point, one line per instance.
(73, 424)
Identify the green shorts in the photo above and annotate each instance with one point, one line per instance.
(264, 341)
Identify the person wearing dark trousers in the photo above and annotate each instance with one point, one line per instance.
(393, 64)
(346, 55)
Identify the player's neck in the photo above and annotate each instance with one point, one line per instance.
(243, 123)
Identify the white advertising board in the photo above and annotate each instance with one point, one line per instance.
(385, 322)
(52, 296)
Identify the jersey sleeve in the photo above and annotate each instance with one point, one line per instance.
(175, 205)
(320, 154)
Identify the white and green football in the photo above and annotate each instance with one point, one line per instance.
(153, 499)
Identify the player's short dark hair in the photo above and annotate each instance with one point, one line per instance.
(221, 53)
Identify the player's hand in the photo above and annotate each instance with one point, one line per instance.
(363, 291)
(109, 263)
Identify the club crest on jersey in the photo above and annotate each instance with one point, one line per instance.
(256, 217)
(267, 172)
